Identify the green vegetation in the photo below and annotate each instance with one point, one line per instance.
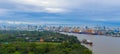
(34, 36)
(54, 43)
(43, 48)
(27, 42)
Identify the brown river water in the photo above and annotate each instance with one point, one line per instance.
(101, 44)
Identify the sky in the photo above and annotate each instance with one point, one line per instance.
(84, 12)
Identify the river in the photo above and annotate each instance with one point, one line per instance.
(101, 44)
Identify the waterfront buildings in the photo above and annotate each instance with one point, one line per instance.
(95, 30)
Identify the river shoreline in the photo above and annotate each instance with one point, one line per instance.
(101, 44)
(86, 45)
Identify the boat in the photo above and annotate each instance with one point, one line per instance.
(85, 41)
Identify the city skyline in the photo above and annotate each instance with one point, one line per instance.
(88, 12)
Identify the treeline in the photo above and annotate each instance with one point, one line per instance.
(27, 42)
(34, 36)
(33, 48)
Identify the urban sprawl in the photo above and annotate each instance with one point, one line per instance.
(95, 30)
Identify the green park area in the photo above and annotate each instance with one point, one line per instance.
(22, 42)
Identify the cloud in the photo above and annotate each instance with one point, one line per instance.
(48, 6)
(65, 10)
(3, 11)
(59, 6)
(55, 10)
(15, 22)
(35, 23)
(40, 3)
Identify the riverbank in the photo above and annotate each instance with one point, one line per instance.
(86, 45)
(101, 44)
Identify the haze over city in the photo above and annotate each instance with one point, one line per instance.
(87, 12)
(59, 26)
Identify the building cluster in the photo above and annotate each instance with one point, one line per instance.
(19, 27)
(96, 30)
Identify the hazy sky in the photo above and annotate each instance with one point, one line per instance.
(86, 12)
